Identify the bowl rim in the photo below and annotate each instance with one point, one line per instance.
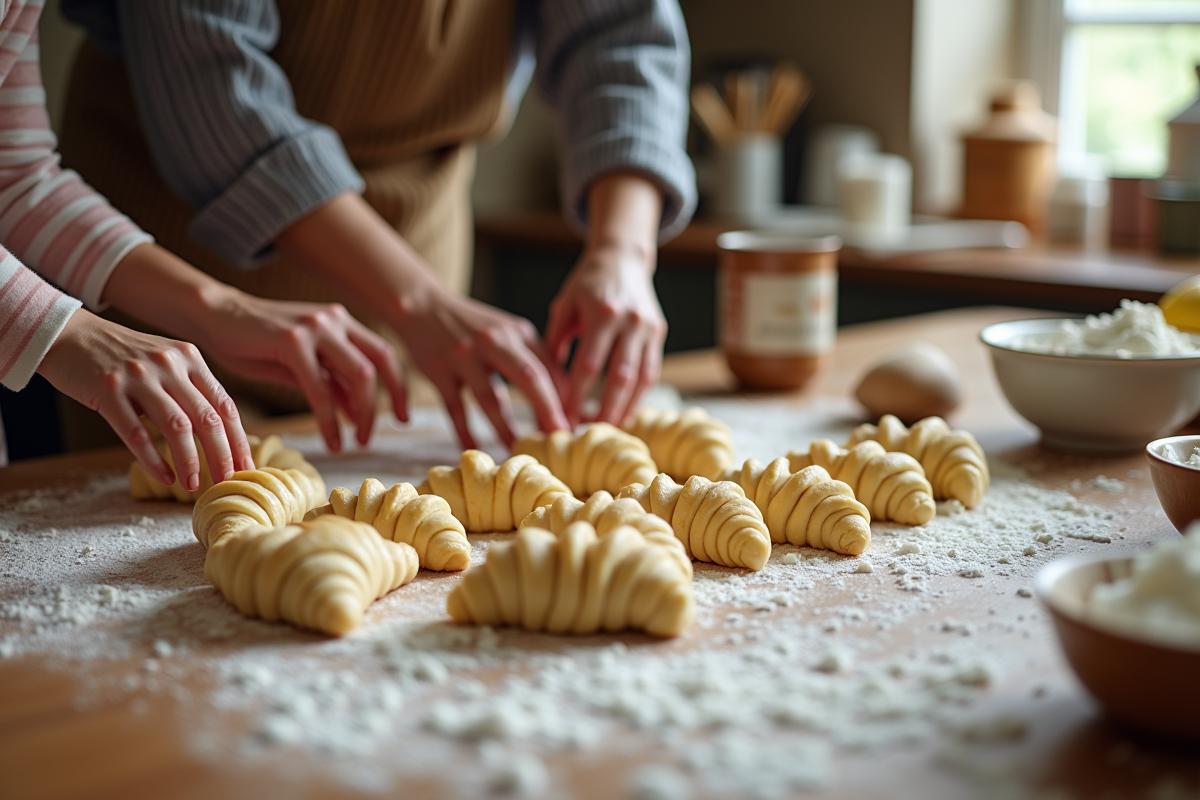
(1157, 459)
(1054, 571)
(987, 336)
(776, 242)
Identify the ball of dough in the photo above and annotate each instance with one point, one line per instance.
(914, 382)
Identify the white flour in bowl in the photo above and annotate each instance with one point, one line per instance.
(1134, 329)
(1161, 600)
(1193, 459)
(788, 672)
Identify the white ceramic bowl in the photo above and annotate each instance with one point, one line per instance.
(1095, 403)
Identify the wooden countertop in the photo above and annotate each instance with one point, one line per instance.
(1062, 276)
(141, 745)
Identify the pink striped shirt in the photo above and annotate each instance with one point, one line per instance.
(50, 219)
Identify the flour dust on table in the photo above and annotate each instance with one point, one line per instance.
(789, 675)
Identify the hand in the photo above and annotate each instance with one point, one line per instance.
(609, 308)
(458, 342)
(123, 374)
(318, 348)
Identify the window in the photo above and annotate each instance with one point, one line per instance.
(1115, 71)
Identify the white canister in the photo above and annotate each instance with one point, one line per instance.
(876, 194)
(830, 144)
(750, 178)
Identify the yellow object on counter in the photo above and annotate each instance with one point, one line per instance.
(1181, 305)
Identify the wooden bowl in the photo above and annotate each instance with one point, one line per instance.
(1177, 486)
(1148, 685)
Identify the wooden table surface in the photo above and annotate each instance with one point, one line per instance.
(1058, 276)
(138, 745)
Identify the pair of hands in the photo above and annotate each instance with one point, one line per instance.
(607, 308)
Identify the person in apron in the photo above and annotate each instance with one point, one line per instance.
(324, 149)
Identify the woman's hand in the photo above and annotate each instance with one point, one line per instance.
(609, 309)
(317, 348)
(458, 342)
(607, 305)
(123, 374)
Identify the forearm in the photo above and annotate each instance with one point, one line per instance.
(624, 209)
(353, 249)
(162, 290)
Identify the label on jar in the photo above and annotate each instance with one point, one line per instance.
(778, 313)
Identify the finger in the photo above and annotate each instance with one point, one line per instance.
(355, 374)
(231, 419)
(651, 363)
(316, 387)
(124, 420)
(383, 356)
(563, 326)
(558, 375)
(513, 359)
(452, 397)
(207, 425)
(176, 428)
(591, 354)
(489, 400)
(624, 368)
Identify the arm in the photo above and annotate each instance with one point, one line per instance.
(66, 232)
(274, 179)
(617, 74)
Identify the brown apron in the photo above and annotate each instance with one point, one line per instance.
(409, 87)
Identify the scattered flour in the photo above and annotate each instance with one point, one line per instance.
(798, 663)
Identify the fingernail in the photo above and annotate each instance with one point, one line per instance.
(193, 482)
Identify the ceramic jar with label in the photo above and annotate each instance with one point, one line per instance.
(777, 306)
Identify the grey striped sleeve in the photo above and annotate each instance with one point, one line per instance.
(617, 73)
(222, 125)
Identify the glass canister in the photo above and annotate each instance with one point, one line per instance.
(778, 306)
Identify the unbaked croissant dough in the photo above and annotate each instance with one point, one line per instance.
(577, 582)
(266, 497)
(891, 485)
(401, 515)
(715, 521)
(687, 444)
(603, 457)
(486, 497)
(806, 508)
(604, 513)
(953, 461)
(320, 575)
(268, 452)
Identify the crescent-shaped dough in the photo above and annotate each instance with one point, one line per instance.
(486, 497)
(953, 461)
(806, 507)
(603, 457)
(891, 485)
(266, 497)
(578, 582)
(715, 521)
(268, 452)
(604, 513)
(401, 515)
(320, 575)
(687, 444)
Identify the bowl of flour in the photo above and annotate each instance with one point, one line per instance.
(1130, 628)
(1175, 472)
(1106, 384)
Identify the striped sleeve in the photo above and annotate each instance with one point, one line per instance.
(49, 218)
(32, 314)
(617, 72)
